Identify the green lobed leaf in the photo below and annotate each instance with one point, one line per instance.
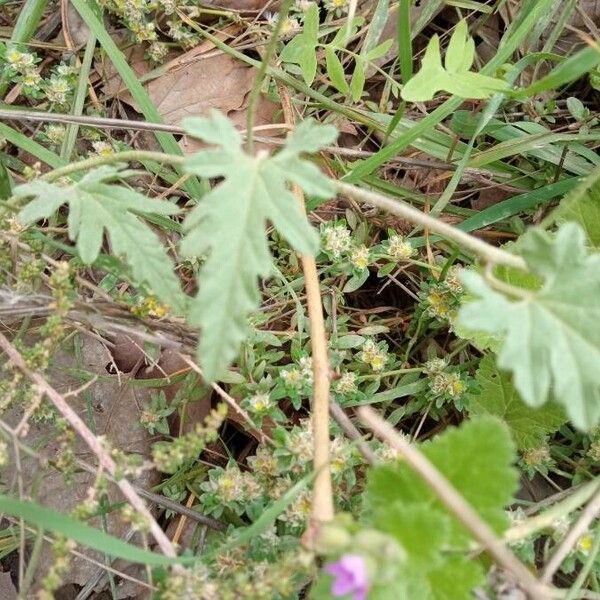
(498, 397)
(229, 225)
(96, 207)
(301, 50)
(455, 78)
(476, 458)
(551, 335)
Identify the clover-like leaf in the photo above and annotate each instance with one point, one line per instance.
(551, 336)
(96, 207)
(301, 50)
(229, 226)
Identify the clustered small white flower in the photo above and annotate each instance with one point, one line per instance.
(337, 240)
(103, 148)
(450, 384)
(399, 248)
(346, 384)
(299, 376)
(229, 486)
(55, 134)
(263, 463)
(297, 513)
(435, 365)
(372, 355)
(340, 451)
(260, 402)
(360, 257)
(57, 90)
(300, 442)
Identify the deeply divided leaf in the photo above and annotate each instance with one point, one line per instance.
(228, 226)
(477, 460)
(97, 207)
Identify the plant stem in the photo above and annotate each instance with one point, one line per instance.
(485, 251)
(587, 567)
(111, 159)
(322, 502)
(455, 503)
(262, 71)
(588, 514)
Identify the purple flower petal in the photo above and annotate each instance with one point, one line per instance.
(350, 576)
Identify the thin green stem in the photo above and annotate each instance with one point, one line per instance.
(405, 41)
(262, 71)
(80, 96)
(111, 159)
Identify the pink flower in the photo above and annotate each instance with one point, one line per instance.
(350, 577)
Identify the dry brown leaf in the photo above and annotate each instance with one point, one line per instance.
(194, 85)
(115, 414)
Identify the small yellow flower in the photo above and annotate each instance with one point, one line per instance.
(585, 543)
(360, 257)
(103, 148)
(399, 248)
(438, 304)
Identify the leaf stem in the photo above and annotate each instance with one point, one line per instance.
(485, 251)
(589, 513)
(262, 71)
(111, 159)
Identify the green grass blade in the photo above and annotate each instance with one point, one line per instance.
(80, 95)
(22, 141)
(511, 207)
(569, 70)
(166, 140)
(505, 51)
(85, 535)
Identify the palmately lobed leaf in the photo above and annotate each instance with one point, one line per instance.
(477, 459)
(551, 337)
(96, 207)
(497, 396)
(228, 227)
(455, 78)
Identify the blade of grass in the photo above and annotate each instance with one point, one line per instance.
(80, 95)
(567, 71)
(509, 208)
(510, 44)
(378, 22)
(50, 520)
(166, 140)
(22, 141)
